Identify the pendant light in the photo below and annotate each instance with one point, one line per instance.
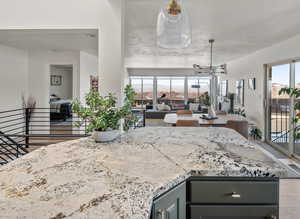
(211, 69)
(173, 26)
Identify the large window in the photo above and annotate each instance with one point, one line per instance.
(170, 90)
(143, 86)
(148, 90)
(223, 88)
(196, 87)
(136, 84)
(163, 89)
(177, 89)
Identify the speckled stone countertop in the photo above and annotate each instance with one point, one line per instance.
(82, 179)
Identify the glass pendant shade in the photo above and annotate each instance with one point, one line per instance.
(173, 26)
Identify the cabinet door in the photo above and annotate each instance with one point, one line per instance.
(172, 205)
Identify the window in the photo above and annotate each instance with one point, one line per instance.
(143, 86)
(223, 89)
(177, 89)
(163, 89)
(240, 87)
(137, 86)
(168, 90)
(148, 91)
(196, 87)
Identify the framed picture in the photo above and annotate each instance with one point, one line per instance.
(252, 83)
(56, 80)
(94, 82)
(240, 88)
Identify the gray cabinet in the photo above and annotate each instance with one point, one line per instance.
(171, 205)
(232, 198)
(220, 198)
(233, 192)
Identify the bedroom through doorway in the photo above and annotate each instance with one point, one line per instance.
(61, 95)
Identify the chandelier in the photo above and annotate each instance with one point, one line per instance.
(220, 69)
(173, 26)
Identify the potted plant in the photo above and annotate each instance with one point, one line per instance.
(103, 116)
(294, 93)
(204, 99)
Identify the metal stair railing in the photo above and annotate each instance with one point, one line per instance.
(283, 138)
(10, 149)
(21, 129)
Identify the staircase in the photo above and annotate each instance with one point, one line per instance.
(283, 137)
(10, 149)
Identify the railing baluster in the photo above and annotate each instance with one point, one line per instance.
(34, 133)
(27, 114)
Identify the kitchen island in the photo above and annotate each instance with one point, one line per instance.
(82, 179)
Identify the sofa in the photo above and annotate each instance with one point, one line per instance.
(160, 114)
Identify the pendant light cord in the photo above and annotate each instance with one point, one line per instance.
(211, 41)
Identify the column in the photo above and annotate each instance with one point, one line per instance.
(111, 49)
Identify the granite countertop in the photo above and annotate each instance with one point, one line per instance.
(82, 179)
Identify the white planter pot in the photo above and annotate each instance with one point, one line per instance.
(107, 136)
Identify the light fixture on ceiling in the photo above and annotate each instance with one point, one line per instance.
(220, 69)
(173, 26)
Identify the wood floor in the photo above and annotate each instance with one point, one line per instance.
(289, 199)
(55, 130)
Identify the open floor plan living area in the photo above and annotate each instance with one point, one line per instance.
(150, 109)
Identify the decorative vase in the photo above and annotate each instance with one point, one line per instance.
(211, 112)
(107, 136)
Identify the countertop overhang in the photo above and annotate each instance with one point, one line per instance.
(82, 179)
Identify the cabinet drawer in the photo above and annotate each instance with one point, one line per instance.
(233, 192)
(232, 212)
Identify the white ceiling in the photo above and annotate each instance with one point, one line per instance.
(55, 40)
(240, 27)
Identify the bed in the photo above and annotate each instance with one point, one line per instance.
(60, 109)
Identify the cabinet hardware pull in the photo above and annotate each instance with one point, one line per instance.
(235, 195)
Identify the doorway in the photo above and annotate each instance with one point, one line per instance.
(280, 108)
(61, 93)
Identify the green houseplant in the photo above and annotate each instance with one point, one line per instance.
(294, 93)
(103, 116)
(204, 99)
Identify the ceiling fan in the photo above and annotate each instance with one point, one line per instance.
(220, 69)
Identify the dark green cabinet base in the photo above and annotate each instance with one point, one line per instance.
(220, 198)
(171, 205)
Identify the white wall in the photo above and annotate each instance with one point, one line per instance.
(13, 77)
(105, 15)
(65, 90)
(39, 73)
(253, 66)
(88, 68)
